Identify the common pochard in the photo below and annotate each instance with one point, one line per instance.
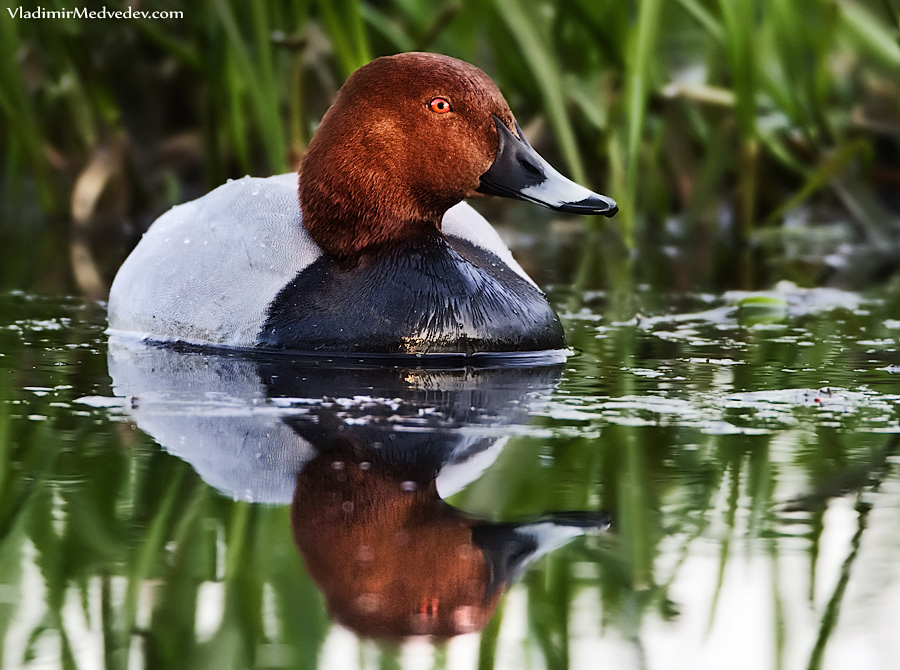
(386, 258)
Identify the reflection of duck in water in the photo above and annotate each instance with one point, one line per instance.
(248, 425)
(361, 453)
(393, 559)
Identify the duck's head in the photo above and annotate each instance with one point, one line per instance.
(408, 137)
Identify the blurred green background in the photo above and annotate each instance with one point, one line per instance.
(713, 122)
(746, 141)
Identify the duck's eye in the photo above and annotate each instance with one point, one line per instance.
(440, 106)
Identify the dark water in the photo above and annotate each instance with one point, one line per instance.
(169, 509)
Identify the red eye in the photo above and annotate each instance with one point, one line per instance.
(440, 106)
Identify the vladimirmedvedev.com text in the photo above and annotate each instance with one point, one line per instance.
(84, 13)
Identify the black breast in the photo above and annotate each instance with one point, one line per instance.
(443, 295)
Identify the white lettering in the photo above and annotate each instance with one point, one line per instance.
(84, 13)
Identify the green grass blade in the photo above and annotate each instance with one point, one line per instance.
(705, 19)
(150, 547)
(487, 646)
(637, 83)
(344, 24)
(871, 34)
(543, 66)
(820, 177)
(263, 93)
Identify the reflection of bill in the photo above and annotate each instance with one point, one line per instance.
(362, 453)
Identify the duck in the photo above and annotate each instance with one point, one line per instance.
(370, 248)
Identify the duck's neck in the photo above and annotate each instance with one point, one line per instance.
(346, 219)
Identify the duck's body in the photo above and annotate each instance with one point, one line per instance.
(385, 258)
(444, 294)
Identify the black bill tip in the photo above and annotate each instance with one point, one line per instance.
(594, 204)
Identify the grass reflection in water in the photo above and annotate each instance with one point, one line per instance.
(750, 470)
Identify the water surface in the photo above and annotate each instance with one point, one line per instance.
(172, 509)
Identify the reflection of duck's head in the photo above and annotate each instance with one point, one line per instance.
(393, 559)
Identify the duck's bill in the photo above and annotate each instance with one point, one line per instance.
(510, 547)
(521, 173)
